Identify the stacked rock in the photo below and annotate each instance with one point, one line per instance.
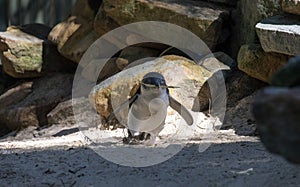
(279, 40)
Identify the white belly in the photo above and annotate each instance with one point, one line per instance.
(148, 115)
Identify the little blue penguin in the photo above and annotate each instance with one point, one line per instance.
(148, 109)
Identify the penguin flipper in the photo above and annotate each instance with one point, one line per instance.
(121, 106)
(181, 110)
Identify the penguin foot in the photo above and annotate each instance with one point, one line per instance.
(131, 141)
(135, 140)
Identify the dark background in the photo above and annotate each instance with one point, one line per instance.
(19, 12)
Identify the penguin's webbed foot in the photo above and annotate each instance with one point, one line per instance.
(135, 140)
(130, 141)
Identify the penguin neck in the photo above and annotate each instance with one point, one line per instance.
(155, 93)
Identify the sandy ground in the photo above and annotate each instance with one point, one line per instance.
(61, 156)
(239, 162)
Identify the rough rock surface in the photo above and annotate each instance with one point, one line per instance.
(63, 112)
(289, 75)
(259, 64)
(291, 6)
(22, 52)
(276, 111)
(74, 35)
(206, 20)
(240, 85)
(240, 117)
(117, 88)
(31, 109)
(26, 52)
(280, 34)
(15, 94)
(247, 14)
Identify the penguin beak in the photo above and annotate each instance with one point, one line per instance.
(149, 85)
(159, 86)
(171, 86)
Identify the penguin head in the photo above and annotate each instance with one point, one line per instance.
(154, 82)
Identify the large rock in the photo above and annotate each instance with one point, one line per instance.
(280, 34)
(21, 52)
(289, 75)
(259, 64)
(75, 34)
(291, 6)
(276, 111)
(26, 52)
(178, 71)
(206, 20)
(30, 109)
(244, 18)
